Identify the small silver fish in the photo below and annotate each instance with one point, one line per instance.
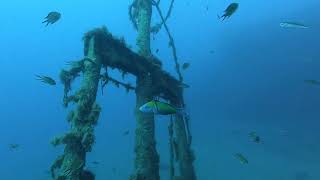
(293, 25)
(183, 85)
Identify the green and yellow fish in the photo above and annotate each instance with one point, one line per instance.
(157, 107)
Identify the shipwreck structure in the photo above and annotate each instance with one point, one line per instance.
(103, 51)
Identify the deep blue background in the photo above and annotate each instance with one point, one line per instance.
(252, 82)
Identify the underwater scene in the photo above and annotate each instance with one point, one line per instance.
(150, 90)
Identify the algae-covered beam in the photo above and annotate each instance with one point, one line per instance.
(79, 140)
(115, 54)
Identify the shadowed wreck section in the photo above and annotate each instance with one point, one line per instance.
(103, 51)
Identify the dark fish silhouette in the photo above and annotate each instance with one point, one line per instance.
(126, 132)
(95, 162)
(185, 65)
(14, 146)
(312, 82)
(254, 136)
(231, 9)
(46, 79)
(52, 17)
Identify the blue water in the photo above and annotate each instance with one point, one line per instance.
(253, 81)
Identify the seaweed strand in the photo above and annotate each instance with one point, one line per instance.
(156, 28)
(105, 79)
(133, 13)
(171, 41)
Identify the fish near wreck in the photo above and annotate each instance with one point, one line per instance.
(183, 85)
(46, 79)
(158, 107)
(231, 9)
(52, 18)
(185, 65)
